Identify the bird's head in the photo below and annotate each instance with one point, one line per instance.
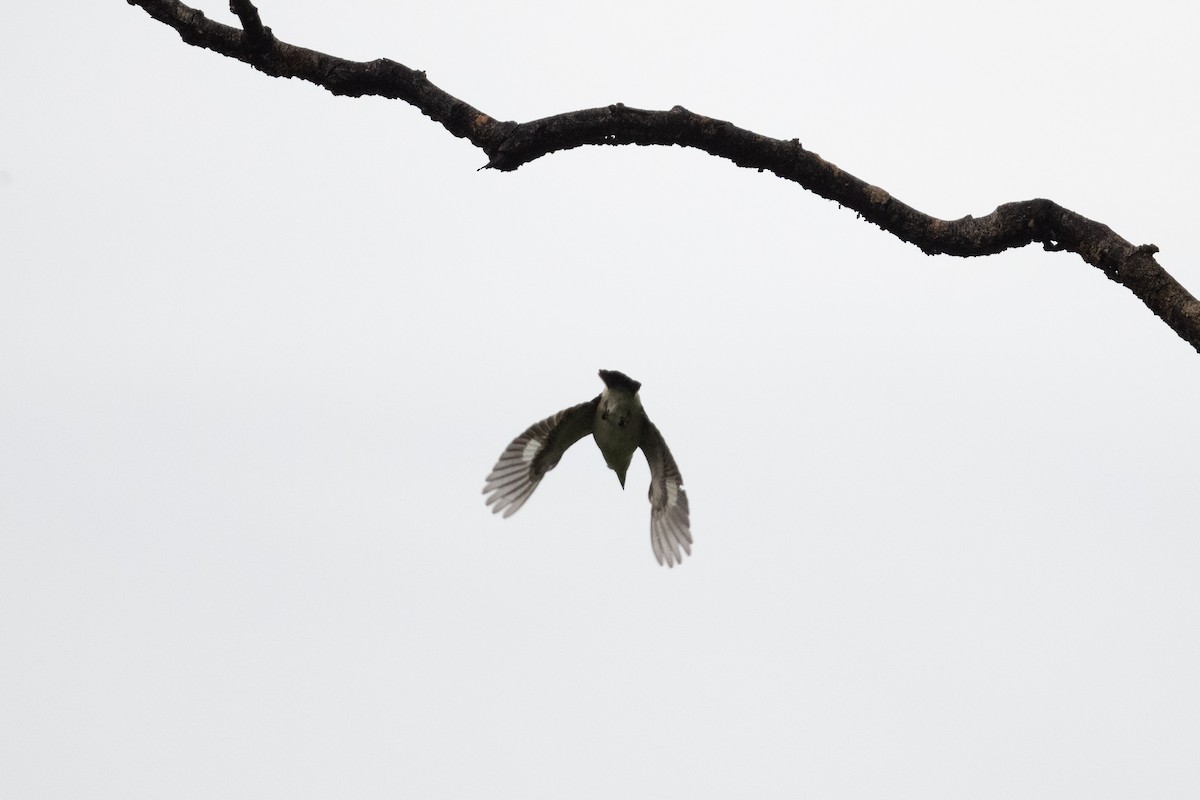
(619, 382)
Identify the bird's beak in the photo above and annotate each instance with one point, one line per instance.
(621, 478)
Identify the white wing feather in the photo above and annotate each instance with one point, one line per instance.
(670, 527)
(531, 455)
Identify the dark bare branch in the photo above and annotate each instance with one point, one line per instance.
(508, 145)
(251, 21)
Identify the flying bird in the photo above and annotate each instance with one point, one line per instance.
(619, 425)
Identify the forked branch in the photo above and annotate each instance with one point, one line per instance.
(508, 145)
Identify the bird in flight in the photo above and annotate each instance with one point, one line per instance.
(619, 425)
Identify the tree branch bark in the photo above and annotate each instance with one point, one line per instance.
(508, 145)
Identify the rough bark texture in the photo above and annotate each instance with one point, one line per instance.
(508, 145)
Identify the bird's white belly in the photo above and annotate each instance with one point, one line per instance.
(616, 443)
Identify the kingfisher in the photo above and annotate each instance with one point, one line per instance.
(619, 425)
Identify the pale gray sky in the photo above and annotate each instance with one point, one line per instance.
(259, 347)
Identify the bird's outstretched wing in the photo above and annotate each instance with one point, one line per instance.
(534, 453)
(670, 530)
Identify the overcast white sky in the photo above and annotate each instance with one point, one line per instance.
(259, 347)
